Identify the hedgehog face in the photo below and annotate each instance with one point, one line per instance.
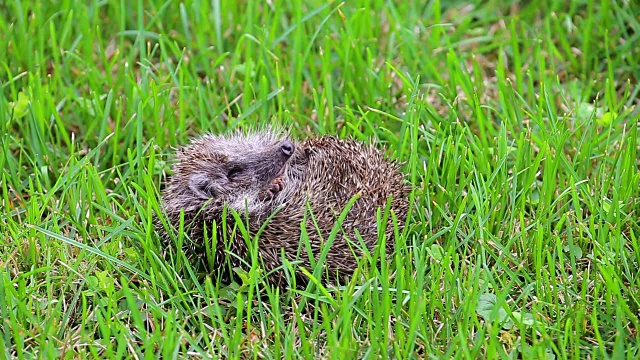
(240, 170)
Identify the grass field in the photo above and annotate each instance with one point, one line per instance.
(518, 123)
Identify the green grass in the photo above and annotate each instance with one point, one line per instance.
(517, 121)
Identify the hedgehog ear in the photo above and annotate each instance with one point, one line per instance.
(200, 184)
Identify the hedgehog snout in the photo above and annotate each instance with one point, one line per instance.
(287, 148)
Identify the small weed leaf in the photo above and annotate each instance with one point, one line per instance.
(436, 252)
(586, 110)
(247, 277)
(229, 292)
(489, 309)
(132, 255)
(87, 105)
(100, 282)
(21, 106)
(574, 250)
(105, 282)
(607, 206)
(92, 284)
(534, 198)
(243, 274)
(607, 118)
(526, 319)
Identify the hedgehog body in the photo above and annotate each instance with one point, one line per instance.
(275, 185)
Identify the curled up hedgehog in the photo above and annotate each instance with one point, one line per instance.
(274, 185)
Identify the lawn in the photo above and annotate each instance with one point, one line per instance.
(517, 123)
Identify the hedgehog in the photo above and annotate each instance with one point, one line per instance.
(290, 194)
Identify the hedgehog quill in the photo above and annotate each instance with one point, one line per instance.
(265, 176)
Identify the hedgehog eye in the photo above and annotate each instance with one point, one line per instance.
(233, 172)
(307, 152)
